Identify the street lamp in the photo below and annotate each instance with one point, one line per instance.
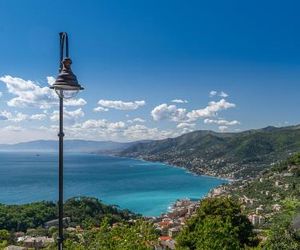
(66, 86)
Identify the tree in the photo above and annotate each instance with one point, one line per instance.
(4, 238)
(218, 224)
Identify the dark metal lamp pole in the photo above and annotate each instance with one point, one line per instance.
(66, 86)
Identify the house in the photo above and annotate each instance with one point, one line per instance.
(174, 231)
(54, 223)
(12, 247)
(276, 208)
(37, 242)
(166, 242)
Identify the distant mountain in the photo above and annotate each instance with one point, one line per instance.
(233, 155)
(69, 146)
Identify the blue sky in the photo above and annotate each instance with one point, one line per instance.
(135, 57)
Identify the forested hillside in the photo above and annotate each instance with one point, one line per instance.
(233, 155)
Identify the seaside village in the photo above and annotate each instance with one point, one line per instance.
(168, 224)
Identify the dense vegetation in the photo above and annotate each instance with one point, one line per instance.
(217, 223)
(139, 235)
(280, 186)
(237, 155)
(83, 211)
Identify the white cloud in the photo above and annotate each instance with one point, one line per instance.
(19, 117)
(216, 93)
(39, 117)
(1, 94)
(121, 105)
(186, 125)
(222, 122)
(171, 112)
(50, 80)
(75, 102)
(12, 128)
(223, 128)
(30, 94)
(142, 132)
(210, 110)
(68, 115)
(213, 93)
(179, 101)
(4, 115)
(101, 109)
(223, 94)
(140, 120)
(101, 124)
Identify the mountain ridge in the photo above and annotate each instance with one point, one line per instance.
(230, 155)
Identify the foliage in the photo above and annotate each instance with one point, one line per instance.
(281, 234)
(84, 211)
(238, 154)
(217, 223)
(89, 212)
(4, 238)
(22, 217)
(139, 235)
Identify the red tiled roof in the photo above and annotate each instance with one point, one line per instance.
(164, 238)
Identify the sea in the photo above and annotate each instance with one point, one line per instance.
(148, 188)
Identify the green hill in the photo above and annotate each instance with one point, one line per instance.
(233, 155)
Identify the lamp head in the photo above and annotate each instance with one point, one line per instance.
(66, 84)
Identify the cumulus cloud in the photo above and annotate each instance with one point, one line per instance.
(223, 94)
(216, 93)
(101, 124)
(39, 117)
(75, 102)
(211, 110)
(68, 115)
(101, 129)
(213, 93)
(19, 117)
(135, 120)
(50, 80)
(142, 132)
(121, 105)
(168, 112)
(222, 122)
(179, 101)
(30, 94)
(186, 125)
(4, 115)
(223, 128)
(12, 128)
(101, 109)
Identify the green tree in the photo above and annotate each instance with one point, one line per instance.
(4, 238)
(218, 224)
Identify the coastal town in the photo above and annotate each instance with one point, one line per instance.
(168, 225)
(260, 200)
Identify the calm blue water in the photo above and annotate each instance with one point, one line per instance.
(143, 187)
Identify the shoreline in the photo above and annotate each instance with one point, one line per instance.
(165, 164)
(230, 180)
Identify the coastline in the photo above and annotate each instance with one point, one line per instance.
(175, 166)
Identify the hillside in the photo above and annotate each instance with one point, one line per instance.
(231, 155)
(271, 201)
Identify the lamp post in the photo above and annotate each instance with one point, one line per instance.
(66, 86)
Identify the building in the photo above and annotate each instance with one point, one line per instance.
(166, 242)
(276, 208)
